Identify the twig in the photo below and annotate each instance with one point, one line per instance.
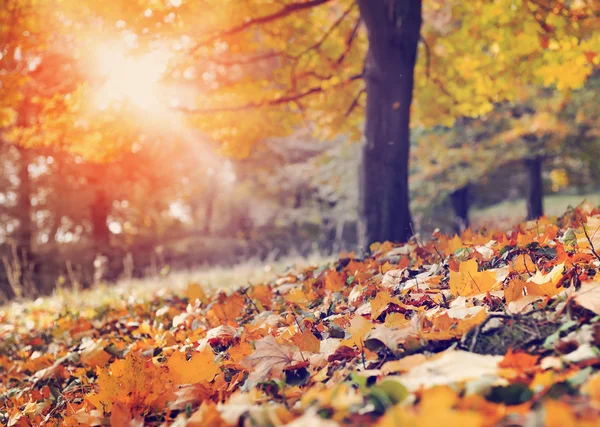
(253, 22)
(587, 236)
(245, 293)
(479, 328)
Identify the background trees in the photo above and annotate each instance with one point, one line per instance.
(126, 123)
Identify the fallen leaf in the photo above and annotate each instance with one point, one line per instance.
(468, 281)
(306, 341)
(269, 360)
(359, 326)
(201, 367)
(546, 284)
(195, 292)
(451, 367)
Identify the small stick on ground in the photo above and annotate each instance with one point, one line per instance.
(479, 328)
(587, 236)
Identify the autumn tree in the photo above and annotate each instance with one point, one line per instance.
(244, 71)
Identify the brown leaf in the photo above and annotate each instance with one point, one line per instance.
(269, 360)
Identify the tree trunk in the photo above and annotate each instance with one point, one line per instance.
(101, 205)
(393, 28)
(535, 188)
(99, 217)
(24, 235)
(460, 204)
(208, 211)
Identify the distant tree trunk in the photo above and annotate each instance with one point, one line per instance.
(209, 207)
(393, 29)
(101, 206)
(535, 187)
(208, 212)
(24, 235)
(460, 204)
(99, 216)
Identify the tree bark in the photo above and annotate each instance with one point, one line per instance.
(393, 29)
(460, 204)
(100, 207)
(99, 217)
(208, 211)
(535, 188)
(24, 235)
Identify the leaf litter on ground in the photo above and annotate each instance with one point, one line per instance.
(487, 328)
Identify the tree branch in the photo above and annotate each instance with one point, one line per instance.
(283, 54)
(355, 102)
(250, 23)
(268, 102)
(349, 42)
(336, 24)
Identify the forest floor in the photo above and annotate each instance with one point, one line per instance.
(484, 329)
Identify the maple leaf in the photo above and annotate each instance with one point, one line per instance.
(227, 308)
(131, 382)
(334, 281)
(306, 341)
(456, 322)
(546, 284)
(359, 327)
(201, 367)
(519, 360)
(380, 303)
(468, 281)
(269, 360)
(195, 292)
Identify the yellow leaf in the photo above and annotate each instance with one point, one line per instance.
(524, 264)
(546, 284)
(453, 244)
(359, 327)
(514, 290)
(381, 302)
(132, 382)
(297, 296)
(195, 291)
(199, 369)
(468, 281)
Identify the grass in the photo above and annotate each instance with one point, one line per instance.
(126, 292)
(507, 214)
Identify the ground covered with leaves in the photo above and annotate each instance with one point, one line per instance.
(483, 329)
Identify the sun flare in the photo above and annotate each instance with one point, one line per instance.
(130, 77)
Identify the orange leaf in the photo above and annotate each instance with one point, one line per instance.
(131, 382)
(306, 341)
(200, 368)
(334, 281)
(520, 361)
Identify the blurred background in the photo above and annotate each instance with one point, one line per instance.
(98, 182)
(66, 222)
